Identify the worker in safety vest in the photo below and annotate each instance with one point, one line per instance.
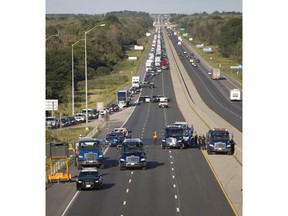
(155, 137)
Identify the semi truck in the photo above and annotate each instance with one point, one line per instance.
(235, 95)
(164, 65)
(215, 74)
(88, 153)
(122, 98)
(219, 140)
(132, 154)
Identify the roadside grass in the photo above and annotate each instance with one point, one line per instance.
(100, 89)
(217, 61)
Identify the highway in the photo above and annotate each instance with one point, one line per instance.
(176, 181)
(215, 93)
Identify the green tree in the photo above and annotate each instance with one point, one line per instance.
(231, 37)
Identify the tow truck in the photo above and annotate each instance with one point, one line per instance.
(219, 140)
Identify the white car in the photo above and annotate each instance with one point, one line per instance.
(80, 117)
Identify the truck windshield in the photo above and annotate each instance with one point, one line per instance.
(220, 136)
(90, 145)
(133, 148)
(174, 132)
(88, 174)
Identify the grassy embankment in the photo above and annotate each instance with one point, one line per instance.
(217, 61)
(101, 89)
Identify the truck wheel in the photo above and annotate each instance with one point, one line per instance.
(102, 166)
(209, 152)
(163, 147)
(78, 166)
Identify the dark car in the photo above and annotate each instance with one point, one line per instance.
(72, 120)
(65, 122)
(114, 139)
(89, 179)
(114, 108)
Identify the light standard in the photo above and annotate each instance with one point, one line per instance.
(56, 35)
(73, 76)
(86, 93)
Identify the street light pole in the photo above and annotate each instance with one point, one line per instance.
(86, 88)
(73, 76)
(56, 35)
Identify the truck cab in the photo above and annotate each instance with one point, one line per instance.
(173, 137)
(219, 140)
(88, 153)
(132, 154)
(187, 134)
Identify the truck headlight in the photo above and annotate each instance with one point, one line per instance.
(80, 156)
(122, 159)
(143, 159)
(179, 141)
(100, 156)
(228, 145)
(79, 181)
(163, 140)
(211, 144)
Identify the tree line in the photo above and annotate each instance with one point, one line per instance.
(221, 29)
(106, 46)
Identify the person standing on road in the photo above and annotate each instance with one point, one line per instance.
(155, 137)
(199, 141)
(203, 144)
(195, 139)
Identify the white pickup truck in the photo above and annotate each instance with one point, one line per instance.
(163, 103)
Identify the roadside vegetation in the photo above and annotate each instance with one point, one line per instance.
(220, 31)
(108, 70)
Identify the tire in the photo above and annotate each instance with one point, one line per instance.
(79, 167)
(102, 166)
(163, 147)
(230, 153)
(209, 152)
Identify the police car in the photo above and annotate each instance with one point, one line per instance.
(89, 178)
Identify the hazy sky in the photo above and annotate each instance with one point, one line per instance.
(150, 6)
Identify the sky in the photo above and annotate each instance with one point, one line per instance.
(150, 6)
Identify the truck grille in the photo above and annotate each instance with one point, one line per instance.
(90, 156)
(171, 141)
(220, 145)
(132, 159)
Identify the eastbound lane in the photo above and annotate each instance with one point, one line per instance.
(215, 93)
